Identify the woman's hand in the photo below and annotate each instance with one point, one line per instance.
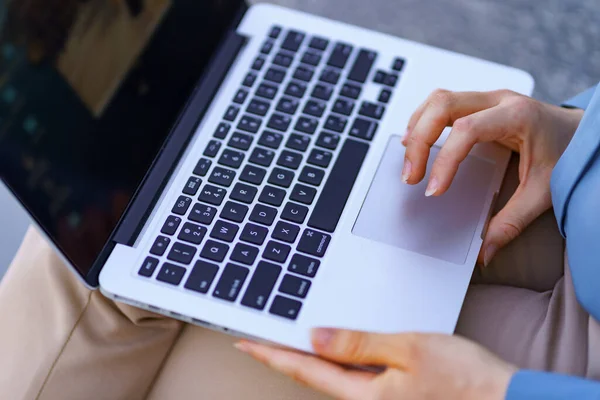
(539, 132)
(419, 366)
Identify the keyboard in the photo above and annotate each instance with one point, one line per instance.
(257, 214)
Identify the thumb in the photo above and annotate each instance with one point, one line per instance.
(530, 200)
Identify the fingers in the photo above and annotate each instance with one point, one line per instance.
(441, 110)
(483, 126)
(318, 374)
(531, 199)
(351, 347)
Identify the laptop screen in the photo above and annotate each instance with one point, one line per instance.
(89, 90)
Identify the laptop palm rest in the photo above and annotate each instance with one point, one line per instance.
(400, 215)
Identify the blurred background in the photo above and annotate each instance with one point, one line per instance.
(555, 40)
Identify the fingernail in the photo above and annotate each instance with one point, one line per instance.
(432, 187)
(242, 346)
(490, 251)
(322, 337)
(406, 171)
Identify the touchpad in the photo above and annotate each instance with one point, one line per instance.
(400, 215)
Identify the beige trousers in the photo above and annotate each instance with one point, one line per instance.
(60, 341)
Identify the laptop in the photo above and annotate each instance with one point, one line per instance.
(239, 167)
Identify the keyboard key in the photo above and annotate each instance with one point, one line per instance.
(244, 254)
(336, 123)
(280, 122)
(263, 214)
(289, 159)
(390, 80)
(234, 211)
(330, 76)
(231, 282)
(171, 225)
(171, 274)
(202, 167)
(371, 110)
(192, 233)
(296, 89)
(303, 73)
(203, 214)
(258, 64)
(275, 32)
(314, 243)
(222, 130)
(267, 47)
(182, 205)
(271, 139)
(262, 156)
(286, 232)
(385, 95)
(267, 91)
(303, 265)
(240, 98)
(398, 64)
(231, 158)
(343, 106)
(271, 195)
(363, 128)
(231, 113)
(240, 141)
(212, 148)
(286, 308)
(243, 193)
(224, 231)
(261, 285)
(339, 56)
(351, 91)
(249, 124)
(252, 174)
(307, 125)
(258, 107)
(249, 79)
(294, 286)
(362, 66)
(320, 158)
(202, 277)
(283, 59)
(254, 234)
(298, 142)
(288, 105)
(212, 195)
(222, 176)
(294, 213)
(276, 251)
(303, 194)
(314, 108)
(311, 58)
(148, 267)
(322, 91)
(281, 177)
(182, 253)
(293, 40)
(332, 201)
(275, 75)
(215, 251)
(328, 140)
(318, 43)
(380, 77)
(312, 176)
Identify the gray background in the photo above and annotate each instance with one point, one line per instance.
(557, 41)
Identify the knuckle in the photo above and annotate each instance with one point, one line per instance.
(353, 344)
(440, 98)
(513, 227)
(415, 349)
(524, 110)
(505, 93)
(463, 126)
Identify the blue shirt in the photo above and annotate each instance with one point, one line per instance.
(575, 187)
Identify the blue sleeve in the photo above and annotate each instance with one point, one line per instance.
(531, 385)
(581, 100)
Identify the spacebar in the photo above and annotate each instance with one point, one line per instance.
(328, 209)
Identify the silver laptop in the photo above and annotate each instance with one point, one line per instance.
(239, 167)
